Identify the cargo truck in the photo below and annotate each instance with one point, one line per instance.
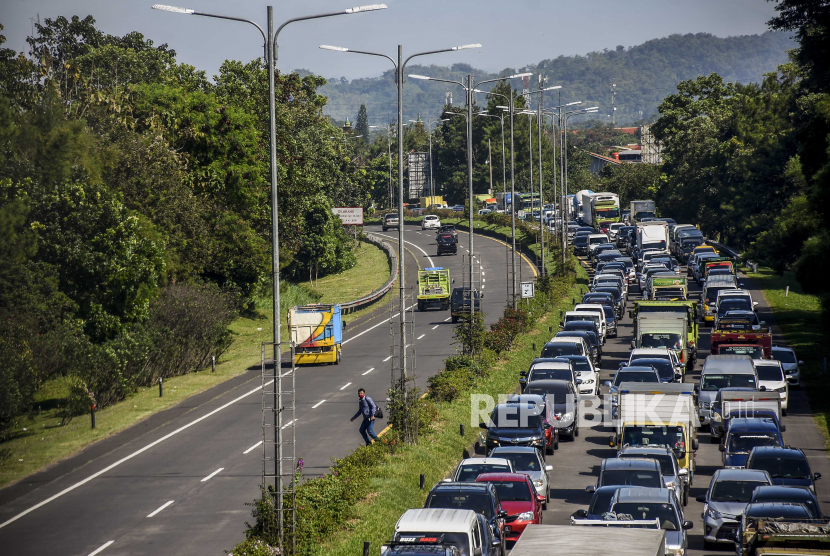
(434, 289)
(606, 538)
(641, 209)
(687, 308)
(659, 414)
(604, 210)
(653, 235)
(433, 202)
(317, 333)
(582, 203)
(782, 537)
(741, 342)
(665, 331)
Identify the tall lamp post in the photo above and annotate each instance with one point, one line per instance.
(429, 134)
(400, 66)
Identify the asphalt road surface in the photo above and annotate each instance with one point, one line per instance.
(177, 483)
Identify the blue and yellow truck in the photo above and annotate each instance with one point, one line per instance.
(317, 333)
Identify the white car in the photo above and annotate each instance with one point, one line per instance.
(470, 468)
(613, 228)
(430, 221)
(771, 377)
(790, 363)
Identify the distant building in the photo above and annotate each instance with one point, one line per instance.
(598, 162)
(651, 147)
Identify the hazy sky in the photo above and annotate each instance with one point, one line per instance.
(512, 32)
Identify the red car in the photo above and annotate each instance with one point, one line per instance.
(518, 498)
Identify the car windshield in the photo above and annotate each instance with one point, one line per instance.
(555, 349)
(756, 352)
(459, 540)
(796, 495)
(615, 293)
(715, 381)
(783, 356)
(648, 510)
(649, 356)
(734, 491)
(734, 304)
(631, 477)
(782, 468)
(743, 442)
(672, 437)
(601, 502)
(635, 376)
(597, 240)
(516, 416)
(777, 511)
(468, 472)
(556, 393)
(712, 293)
(661, 340)
(512, 491)
(581, 364)
(522, 461)
(664, 367)
(664, 460)
(553, 374)
(479, 502)
(581, 240)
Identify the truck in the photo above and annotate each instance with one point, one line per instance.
(317, 333)
(582, 203)
(662, 414)
(671, 287)
(604, 210)
(620, 538)
(782, 537)
(687, 308)
(434, 288)
(737, 334)
(436, 201)
(642, 209)
(667, 330)
(653, 235)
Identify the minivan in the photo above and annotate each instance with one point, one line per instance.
(709, 297)
(723, 371)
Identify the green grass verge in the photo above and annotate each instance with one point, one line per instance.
(799, 317)
(40, 440)
(395, 487)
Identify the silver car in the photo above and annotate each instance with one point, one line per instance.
(528, 460)
(655, 503)
(725, 500)
(674, 477)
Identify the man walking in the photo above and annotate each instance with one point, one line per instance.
(367, 408)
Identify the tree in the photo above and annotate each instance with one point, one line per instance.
(631, 181)
(325, 244)
(362, 125)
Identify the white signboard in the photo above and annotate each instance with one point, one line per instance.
(352, 216)
(520, 214)
(528, 289)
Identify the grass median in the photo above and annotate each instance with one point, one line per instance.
(41, 440)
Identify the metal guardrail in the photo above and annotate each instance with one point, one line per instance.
(366, 300)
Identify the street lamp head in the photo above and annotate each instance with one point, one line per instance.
(574, 103)
(368, 8)
(174, 9)
(592, 108)
(517, 75)
(503, 107)
(552, 88)
(411, 76)
(335, 48)
(466, 46)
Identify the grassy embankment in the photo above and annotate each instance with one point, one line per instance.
(395, 487)
(41, 440)
(799, 317)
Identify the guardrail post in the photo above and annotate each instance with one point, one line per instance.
(366, 545)
(213, 363)
(161, 388)
(423, 481)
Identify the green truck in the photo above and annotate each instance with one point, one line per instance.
(434, 289)
(670, 288)
(686, 308)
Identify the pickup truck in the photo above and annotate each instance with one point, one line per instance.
(434, 288)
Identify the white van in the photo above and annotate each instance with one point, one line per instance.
(595, 316)
(462, 528)
(723, 371)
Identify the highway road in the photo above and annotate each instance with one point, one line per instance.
(177, 483)
(576, 464)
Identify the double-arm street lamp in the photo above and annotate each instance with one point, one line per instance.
(400, 66)
(429, 133)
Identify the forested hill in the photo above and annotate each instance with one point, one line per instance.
(644, 74)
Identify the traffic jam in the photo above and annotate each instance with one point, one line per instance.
(672, 378)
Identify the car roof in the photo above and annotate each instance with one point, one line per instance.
(743, 474)
(637, 369)
(437, 520)
(800, 492)
(496, 477)
(456, 487)
(646, 450)
(537, 399)
(783, 451)
(782, 348)
(550, 382)
(643, 360)
(485, 461)
(751, 424)
(650, 351)
(767, 363)
(514, 450)
(554, 364)
(642, 464)
(643, 494)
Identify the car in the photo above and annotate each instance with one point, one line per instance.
(790, 363)
(769, 512)
(608, 312)
(519, 498)
(601, 298)
(549, 370)
(460, 302)
(470, 468)
(580, 243)
(616, 294)
(458, 208)
(390, 220)
(664, 367)
(597, 250)
(673, 474)
(717, 419)
(591, 339)
(613, 228)
(595, 317)
(744, 434)
(723, 371)
(446, 243)
(430, 221)
(517, 424)
(594, 240)
(551, 432)
(798, 495)
(640, 472)
(484, 211)
(771, 378)
(655, 503)
(654, 353)
(565, 346)
(725, 500)
(482, 498)
(630, 374)
(528, 461)
(464, 532)
(563, 404)
(448, 229)
(586, 373)
(786, 465)
(600, 503)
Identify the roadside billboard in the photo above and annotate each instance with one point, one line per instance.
(351, 216)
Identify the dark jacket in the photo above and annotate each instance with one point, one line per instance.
(366, 407)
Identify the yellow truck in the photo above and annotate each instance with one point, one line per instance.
(433, 202)
(317, 333)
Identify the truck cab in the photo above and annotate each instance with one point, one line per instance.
(434, 288)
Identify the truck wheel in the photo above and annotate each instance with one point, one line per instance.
(454, 319)
(420, 305)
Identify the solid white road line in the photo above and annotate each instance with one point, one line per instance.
(346, 386)
(318, 404)
(421, 336)
(161, 508)
(436, 326)
(387, 359)
(448, 318)
(209, 477)
(369, 371)
(418, 247)
(100, 548)
(384, 321)
(252, 448)
(131, 456)
(288, 424)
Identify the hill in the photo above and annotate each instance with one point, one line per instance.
(644, 75)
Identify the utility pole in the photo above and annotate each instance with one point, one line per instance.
(614, 104)
(490, 163)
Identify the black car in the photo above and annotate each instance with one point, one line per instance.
(586, 325)
(563, 402)
(448, 229)
(558, 349)
(778, 493)
(447, 243)
(591, 339)
(616, 294)
(482, 498)
(787, 466)
(516, 424)
(460, 302)
(599, 299)
(664, 368)
(600, 503)
(581, 245)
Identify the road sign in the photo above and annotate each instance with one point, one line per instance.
(520, 214)
(352, 216)
(528, 290)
